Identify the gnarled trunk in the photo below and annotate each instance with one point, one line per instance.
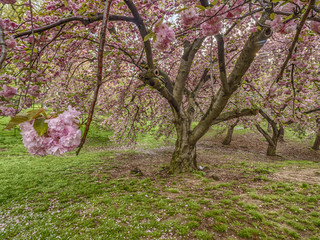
(276, 133)
(184, 156)
(228, 138)
(271, 150)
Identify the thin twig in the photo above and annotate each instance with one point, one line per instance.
(295, 40)
(99, 73)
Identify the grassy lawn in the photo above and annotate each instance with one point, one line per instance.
(96, 196)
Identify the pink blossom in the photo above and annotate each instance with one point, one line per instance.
(189, 17)
(11, 43)
(214, 15)
(7, 111)
(288, 8)
(34, 91)
(165, 35)
(315, 26)
(63, 135)
(8, 92)
(8, 1)
(209, 30)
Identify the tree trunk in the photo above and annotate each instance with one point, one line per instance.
(281, 133)
(228, 138)
(272, 140)
(269, 129)
(272, 149)
(184, 156)
(316, 144)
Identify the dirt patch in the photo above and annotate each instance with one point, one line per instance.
(310, 175)
(212, 156)
(253, 143)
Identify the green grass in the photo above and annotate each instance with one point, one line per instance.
(73, 197)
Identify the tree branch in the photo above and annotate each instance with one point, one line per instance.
(204, 78)
(235, 114)
(83, 20)
(222, 63)
(158, 80)
(99, 73)
(143, 31)
(248, 53)
(265, 134)
(312, 110)
(184, 68)
(296, 37)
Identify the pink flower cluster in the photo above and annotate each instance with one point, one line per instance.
(278, 26)
(165, 35)
(11, 43)
(63, 135)
(8, 92)
(213, 24)
(8, 25)
(236, 9)
(7, 111)
(189, 17)
(8, 1)
(315, 26)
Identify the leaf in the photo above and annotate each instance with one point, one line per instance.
(272, 15)
(40, 126)
(276, 1)
(213, 3)
(23, 117)
(201, 7)
(65, 3)
(16, 120)
(33, 114)
(148, 36)
(181, 10)
(287, 18)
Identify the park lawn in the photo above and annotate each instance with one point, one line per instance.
(112, 193)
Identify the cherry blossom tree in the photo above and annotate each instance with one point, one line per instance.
(146, 64)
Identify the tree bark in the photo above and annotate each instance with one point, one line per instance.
(184, 156)
(316, 144)
(272, 149)
(228, 138)
(272, 140)
(281, 133)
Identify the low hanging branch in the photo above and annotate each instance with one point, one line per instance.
(99, 74)
(296, 37)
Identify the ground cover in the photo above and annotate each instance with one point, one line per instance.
(113, 192)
